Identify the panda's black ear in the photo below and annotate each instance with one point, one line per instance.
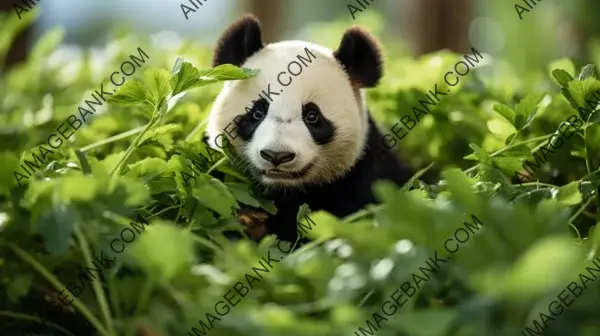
(360, 54)
(238, 42)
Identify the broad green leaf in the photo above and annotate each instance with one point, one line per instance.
(56, 226)
(506, 112)
(158, 85)
(595, 118)
(132, 93)
(508, 164)
(149, 166)
(19, 286)
(494, 175)
(77, 188)
(481, 155)
(320, 225)
(527, 109)
(562, 77)
(214, 195)
(569, 194)
(303, 211)
(548, 264)
(242, 194)
(167, 131)
(163, 250)
(534, 197)
(460, 187)
(184, 176)
(563, 68)
(580, 90)
(186, 76)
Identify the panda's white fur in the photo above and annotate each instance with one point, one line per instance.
(324, 82)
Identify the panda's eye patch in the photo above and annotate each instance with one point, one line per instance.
(311, 114)
(259, 109)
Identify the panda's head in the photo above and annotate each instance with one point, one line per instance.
(302, 119)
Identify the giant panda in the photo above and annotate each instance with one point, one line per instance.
(315, 142)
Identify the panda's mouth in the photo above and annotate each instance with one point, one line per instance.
(282, 174)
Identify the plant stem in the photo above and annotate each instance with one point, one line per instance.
(193, 132)
(95, 284)
(529, 184)
(581, 209)
(142, 303)
(57, 284)
(113, 138)
(26, 317)
(118, 167)
(498, 152)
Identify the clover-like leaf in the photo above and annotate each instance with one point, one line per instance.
(527, 109)
(132, 93)
(569, 194)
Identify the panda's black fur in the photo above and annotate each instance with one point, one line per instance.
(360, 56)
(346, 195)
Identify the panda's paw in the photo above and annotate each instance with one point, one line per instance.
(255, 221)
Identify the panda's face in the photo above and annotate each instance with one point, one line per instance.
(293, 130)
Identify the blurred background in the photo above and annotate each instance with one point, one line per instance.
(552, 29)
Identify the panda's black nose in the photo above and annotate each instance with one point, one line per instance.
(277, 158)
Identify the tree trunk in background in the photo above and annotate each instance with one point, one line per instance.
(19, 50)
(269, 12)
(441, 24)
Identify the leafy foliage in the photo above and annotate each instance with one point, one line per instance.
(137, 159)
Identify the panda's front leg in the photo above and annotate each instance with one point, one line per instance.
(255, 221)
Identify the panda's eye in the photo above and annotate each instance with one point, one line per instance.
(312, 117)
(258, 114)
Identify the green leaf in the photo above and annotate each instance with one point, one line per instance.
(569, 194)
(595, 117)
(186, 76)
(57, 225)
(85, 165)
(214, 195)
(581, 90)
(19, 286)
(164, 250)
(242, 194)
(481, 155)
(508, 164)
(562, 65)
(506, 112)
(549, 263)
(303, 211)
(562, 77)
(149, 166)
(158, 85)
(416, 176)
(527, 109)
(132, 93)
(494, 175)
